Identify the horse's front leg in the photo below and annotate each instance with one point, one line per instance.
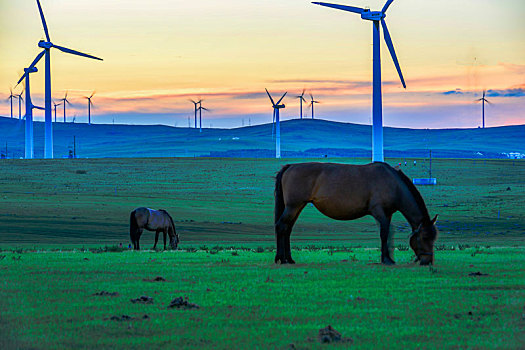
(384, 223)
(165, 232)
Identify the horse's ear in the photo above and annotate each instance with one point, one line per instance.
(434, 219)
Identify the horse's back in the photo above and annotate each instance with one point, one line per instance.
(340, 191)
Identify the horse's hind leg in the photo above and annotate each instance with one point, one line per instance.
(283, 231)
(136, 244)
(156, 239)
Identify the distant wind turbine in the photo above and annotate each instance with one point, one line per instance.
(276, 108)
(312, 104)
(483, 100)
(20, 100)
(196, 108)
(65, 101)
(29, 140)
(200, 114)
(377, 18)
(11, 96)
(301, 100)
(47, 45)
(89, 106)
(55, 107)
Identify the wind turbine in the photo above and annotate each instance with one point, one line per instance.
(89, 106)
(29, 149)
(195, 104)
(20, 99)
(376, 17)
(47, 45)
(483, 100)
(301, 100)
(200, 114)
(11, 96)
(312, 104)
(55, 107)
(65, 101)
(276, 108)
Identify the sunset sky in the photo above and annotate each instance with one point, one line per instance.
(160, 53)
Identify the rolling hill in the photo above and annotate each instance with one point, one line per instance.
(300, 138)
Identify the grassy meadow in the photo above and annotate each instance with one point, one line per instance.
(62, 222)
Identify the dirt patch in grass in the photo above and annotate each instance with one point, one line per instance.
(330, 335)
(182, 303)
(106, 294)
(127, 318)
(156, 279)
(143, 300)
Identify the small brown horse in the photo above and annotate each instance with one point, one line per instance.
(348, 192)
(152, 220)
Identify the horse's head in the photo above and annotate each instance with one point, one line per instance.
(422, 241)
(174, 241)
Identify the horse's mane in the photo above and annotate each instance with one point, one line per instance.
(171, 220)
(415, 193)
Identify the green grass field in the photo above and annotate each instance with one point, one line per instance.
(246, 302)
(53, 211)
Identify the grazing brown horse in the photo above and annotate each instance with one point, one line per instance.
(152, 220)
(348, 192)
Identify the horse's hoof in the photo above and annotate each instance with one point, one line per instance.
(388, 261)
(291, 261)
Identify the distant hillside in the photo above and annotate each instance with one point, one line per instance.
(300, 138)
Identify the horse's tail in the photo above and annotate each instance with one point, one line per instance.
(133, 226)
(279, 198)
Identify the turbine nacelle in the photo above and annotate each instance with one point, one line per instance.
(279, 106)
(372, 15)
(45, 44)
(30, 70)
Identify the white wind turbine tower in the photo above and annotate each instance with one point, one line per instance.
(11, 96)
(301, 100)
(312, 102)
(276, 108)
(20, 99)
(89, 106)
(483, 100)
(55, 108)
(47, 45)
(378, 19)
(65, 101)
(29, 140)
(196, 108)
(200, 114)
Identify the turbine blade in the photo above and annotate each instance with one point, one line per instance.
(43, 20)
(387, 5)
(341, 7)
(74, 52)
(388, 41)
(38, 107)
(270, 96)
(32, 65)
(303, 93)
(282, 98)
(92, 94)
